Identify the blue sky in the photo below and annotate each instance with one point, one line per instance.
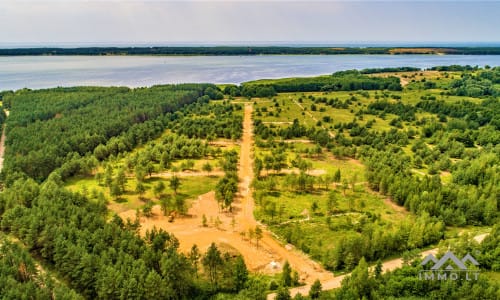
(160, 22)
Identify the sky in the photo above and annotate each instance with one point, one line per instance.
(163, 22)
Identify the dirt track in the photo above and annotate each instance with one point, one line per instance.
(386, 266)
(307, 268)
(2, 143)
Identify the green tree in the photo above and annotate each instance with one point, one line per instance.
(114, 189)
(359, 284)
(354, 180)
(140, 173)
(140, 188)
(240, 273)
(378, 270)
(194, 257)
(175, 183)
(314, 206)
(121, 179)
(337, 176)
(213, 263)
(159, 188)
(286, 274)
(332, 202)
(315, 290)
(147, 210)
(153, 286)
(165, 204)
(257, 167)
(345, 186)
(207, 167)
(258, 235)
(108, 175)
(271, 209)
(295, 278)
(283, 293)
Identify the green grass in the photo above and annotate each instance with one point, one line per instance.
(191, 187)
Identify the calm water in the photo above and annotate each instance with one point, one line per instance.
(51, 71)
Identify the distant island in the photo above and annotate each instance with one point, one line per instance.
(249, 50)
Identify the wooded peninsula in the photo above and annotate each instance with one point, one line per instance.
(249, 50)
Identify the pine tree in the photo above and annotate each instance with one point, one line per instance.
(212, 262)
(194, 257)
(283, 294)
(175, 183)
(315, 290)
(240, 273)
(286, 274)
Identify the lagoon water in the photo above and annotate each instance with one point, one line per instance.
(35, 72)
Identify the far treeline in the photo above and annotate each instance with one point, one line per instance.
(351, 80)
(249, 50)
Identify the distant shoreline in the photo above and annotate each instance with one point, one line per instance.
(244, 51)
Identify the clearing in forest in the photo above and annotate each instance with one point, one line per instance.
(231, 229)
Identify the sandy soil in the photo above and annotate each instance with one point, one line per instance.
(277, 122)
(394, 206)
(2, 143)
(187, 174)
(189, 229)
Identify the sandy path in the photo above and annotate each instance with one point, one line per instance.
(187, 174)
(307, 268)
(394, 206)
(2, 142)
(386, 266)
(337, 281)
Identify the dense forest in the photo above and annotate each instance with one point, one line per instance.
(48, 128)
(249, 50)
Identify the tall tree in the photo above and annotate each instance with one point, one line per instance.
(286, 274)
(240, 273)
(175, 183)
(315, 290)
(212, 262)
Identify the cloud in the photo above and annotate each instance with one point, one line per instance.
(109, 21)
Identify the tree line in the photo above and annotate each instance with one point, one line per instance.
(351, 80)
(243, 50)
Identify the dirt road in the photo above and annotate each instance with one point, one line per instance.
(386, 266)
(2, 143)
(308, 269)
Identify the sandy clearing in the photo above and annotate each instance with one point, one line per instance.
(189, 229)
